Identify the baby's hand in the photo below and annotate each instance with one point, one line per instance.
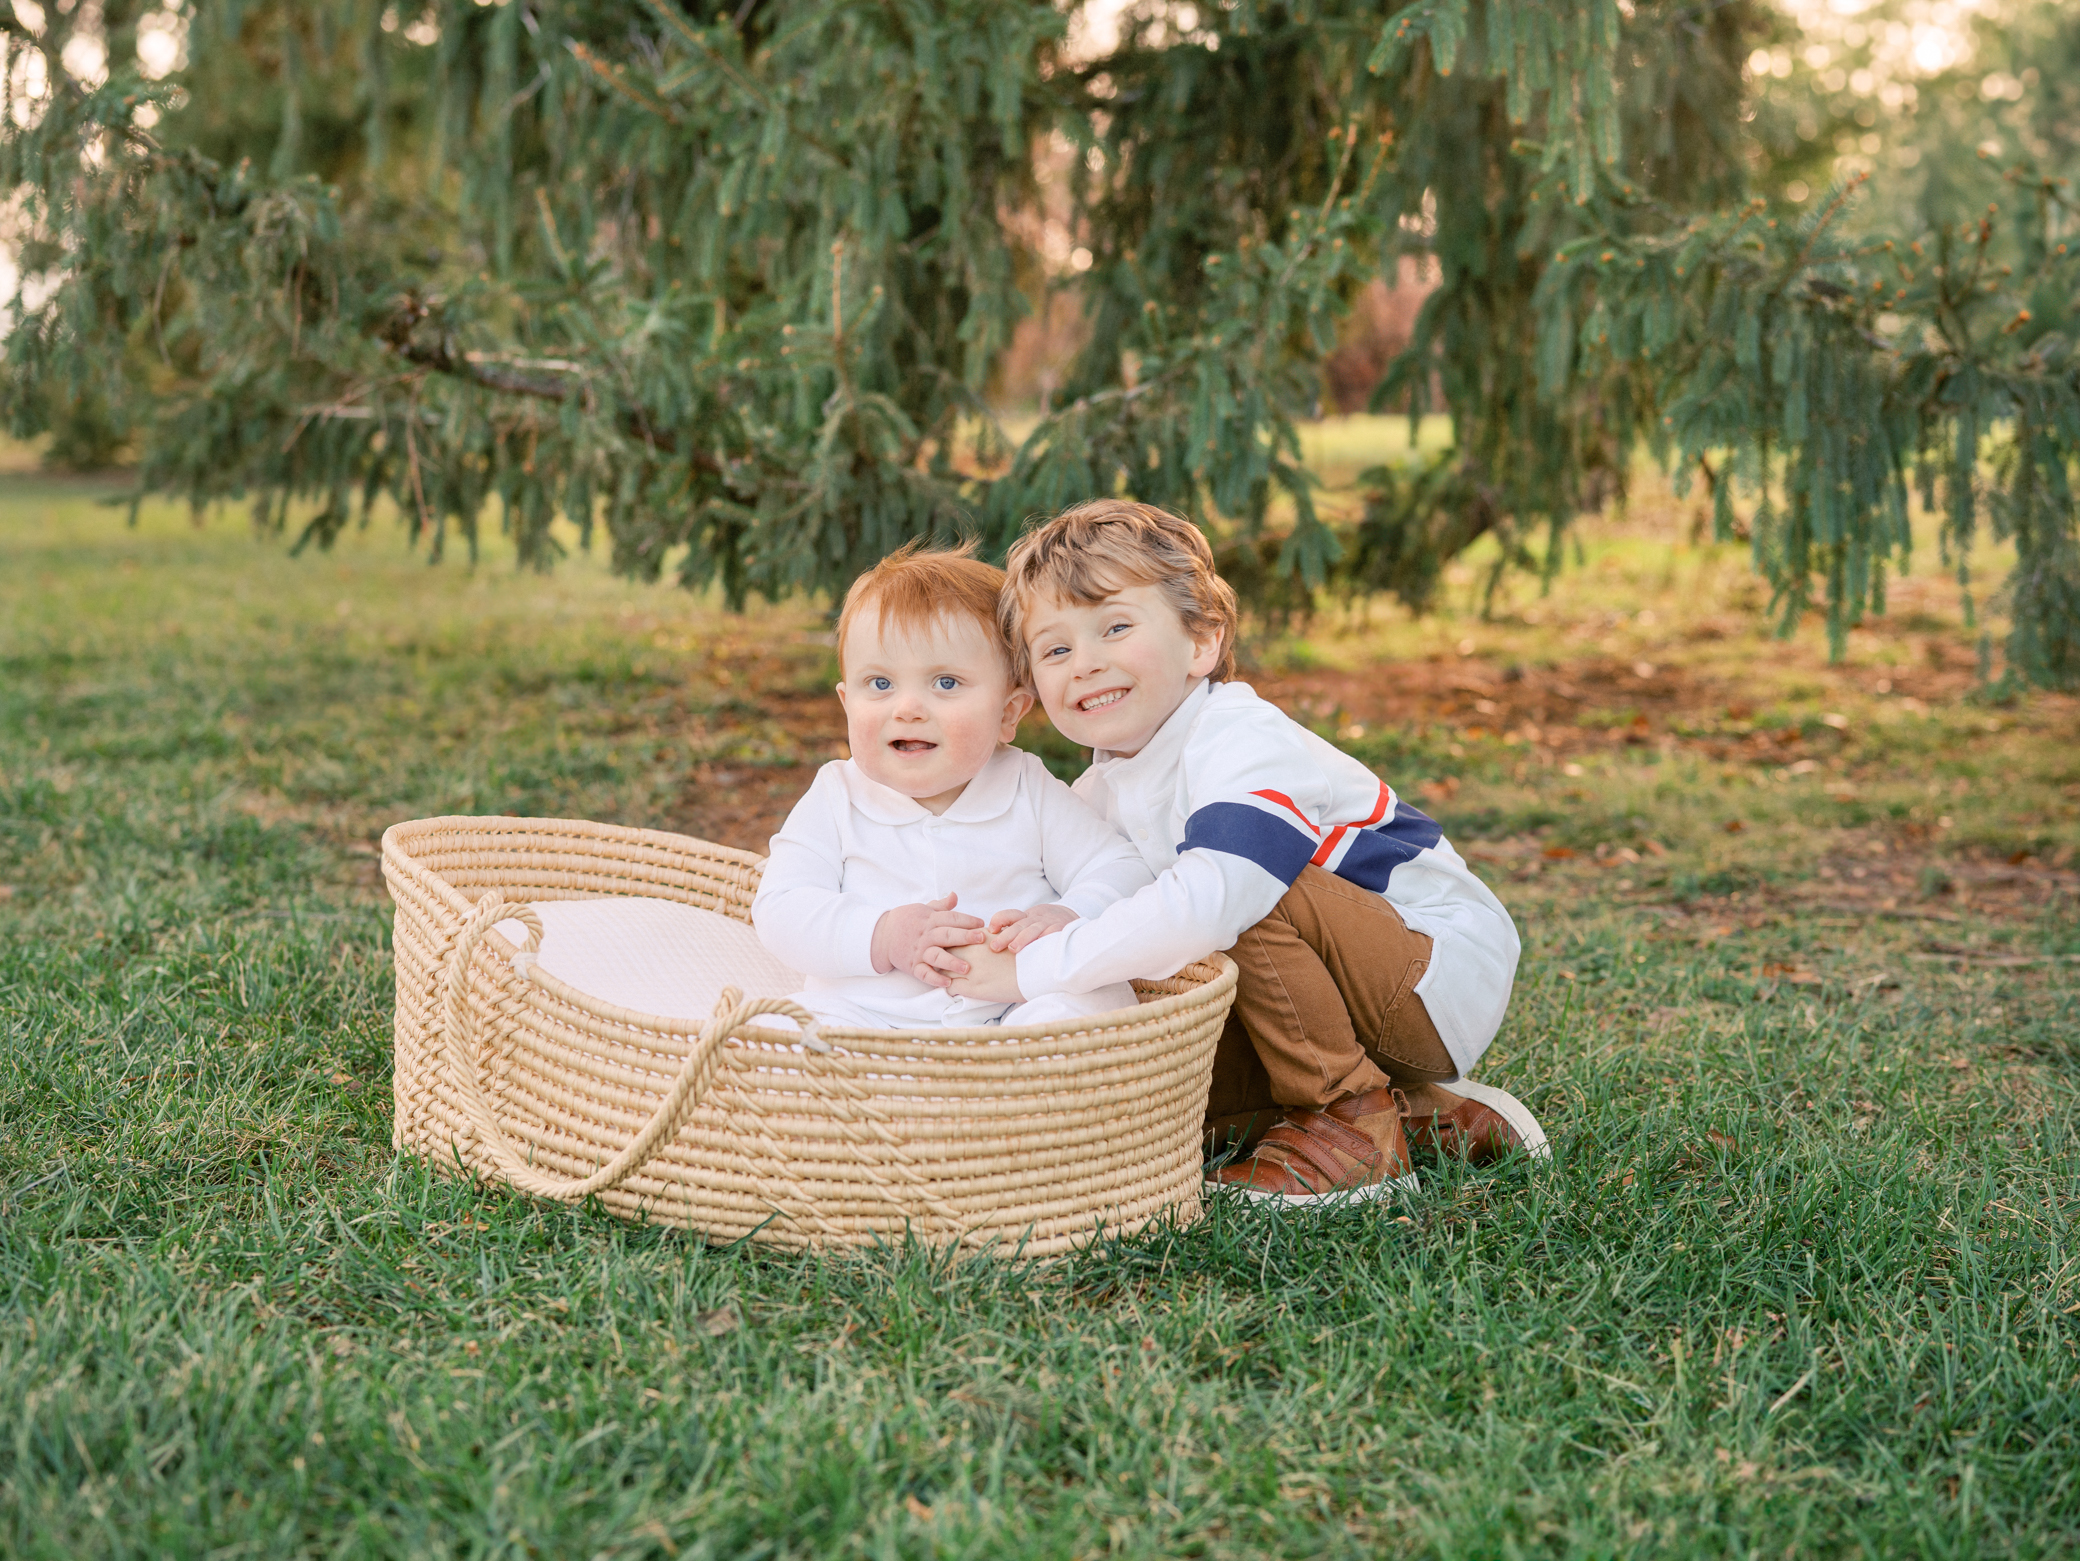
(905, 936)
(1010, 931)
(991, 978)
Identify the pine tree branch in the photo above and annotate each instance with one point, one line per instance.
(505, 378)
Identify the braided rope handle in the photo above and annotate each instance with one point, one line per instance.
(732, 1013)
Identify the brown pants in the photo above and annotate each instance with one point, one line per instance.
(1325, 1009)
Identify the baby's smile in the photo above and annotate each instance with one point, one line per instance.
(1111, 696)
(912, 745)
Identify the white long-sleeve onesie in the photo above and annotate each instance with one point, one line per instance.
(1226, 804)
(853, 849)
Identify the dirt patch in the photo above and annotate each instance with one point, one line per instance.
(740, 807)
(760, 748)
(1601, 703)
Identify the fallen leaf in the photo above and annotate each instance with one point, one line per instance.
(917, 1509)
(1654, 848)
(1734, 826)
(1723, 1141)
(343, 1078)
(723, 1319)
(1559, 853)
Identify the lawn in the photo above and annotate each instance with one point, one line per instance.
(1796, 1005)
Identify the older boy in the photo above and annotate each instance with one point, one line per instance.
(1375, 967)
(933, 817)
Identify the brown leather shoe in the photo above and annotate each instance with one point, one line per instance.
(1477, 1122)
(1351, 1151)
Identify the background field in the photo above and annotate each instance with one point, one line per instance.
(1796, 1005)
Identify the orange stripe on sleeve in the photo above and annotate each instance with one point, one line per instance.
(1290, 806)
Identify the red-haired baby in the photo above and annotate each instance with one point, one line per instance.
(934, 833)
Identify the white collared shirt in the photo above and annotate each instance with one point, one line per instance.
(853, 849)
(1227, 803)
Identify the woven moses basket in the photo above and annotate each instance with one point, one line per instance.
(1029, 1137)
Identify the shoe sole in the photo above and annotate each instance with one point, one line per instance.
(1510, 1109)
(1372, 1192)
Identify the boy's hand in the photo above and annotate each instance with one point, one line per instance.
(905, 936)
(1010, 931)
(992, 977)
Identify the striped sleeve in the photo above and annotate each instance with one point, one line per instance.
(1263, 827)
(1368, 850)
(1268, 828)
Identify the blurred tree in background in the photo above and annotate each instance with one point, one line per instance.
(737, 281)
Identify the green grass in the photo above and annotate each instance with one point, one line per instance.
(1799, 1280)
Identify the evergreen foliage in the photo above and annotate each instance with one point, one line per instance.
(731, 281)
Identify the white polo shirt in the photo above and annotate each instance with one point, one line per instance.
(853, 849)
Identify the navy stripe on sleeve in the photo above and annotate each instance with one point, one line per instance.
(1250, 833)
(1375, 853)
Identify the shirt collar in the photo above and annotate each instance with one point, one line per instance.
(989, 795)
(1160, 752)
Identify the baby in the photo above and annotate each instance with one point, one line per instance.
(935, 834)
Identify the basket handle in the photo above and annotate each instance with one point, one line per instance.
(732, 1012)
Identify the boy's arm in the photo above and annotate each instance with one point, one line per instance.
(1202, 903)
(1255, 797)
(1091, 865)
(803, 918)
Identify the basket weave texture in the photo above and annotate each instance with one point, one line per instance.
(1031, 1138)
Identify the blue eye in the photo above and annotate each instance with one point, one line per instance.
(946, 682)
(880, 685)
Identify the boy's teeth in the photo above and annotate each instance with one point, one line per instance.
(1100, 701)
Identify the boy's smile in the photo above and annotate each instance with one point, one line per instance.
(1111, 672)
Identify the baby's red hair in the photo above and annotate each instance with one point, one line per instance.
(913, 588)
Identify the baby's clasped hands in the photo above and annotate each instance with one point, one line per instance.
(990, 974)
(904, 938)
